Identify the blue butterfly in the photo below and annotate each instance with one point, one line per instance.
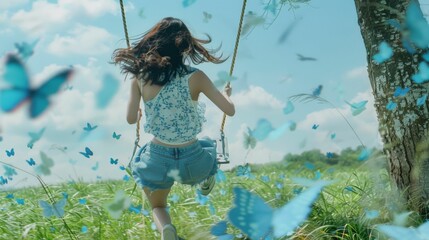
(187, 3)
(9, 172)
(288, 108)
(10, 152)
(315, 126)
(371, 214)
(84, 229)
(20, 90)
(174, 198)
(126, 178)
(20, 201)
(421, 100)
(358, 107)
(57, 209)
(116, 136)
(364, 154)
(207, 17)
(329, 155)
(31, 162)
(114, 161)
(82, 201)
(265, 178)
(244, 170)
(219, 230)
(423, 74)
(108, 90)
(255, 218)
(309, 166)
(25, 49)
(262, 130)
(391, 105)
(402, 233)
(10, 196)
(317, 91)
(89, 127)
(220, 176)
(400, 92)
(249, 139)
(45, 167)
(384, 54)
(135, 209)
(35, 136)
(88, 153)
(333, 135)
(417, 25)
(3, 180)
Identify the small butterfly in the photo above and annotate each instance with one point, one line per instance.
(423, 74)
(66, 195)
(45, 167)
(249, 140)
(201, 199)
(255, 218)
(244, 170)
(57, 209)
(391, 105)
(35, 136)
(89, 127)
(371, 214)
(68, 87)
(223, 79)
(207, 17)
(265, 178)
(251, 20)
(116, 136)
(364, 154)
(20, 201)
(9, 171)
(10, 152)
(219, 230)
(88, 153)
(10, 196)
(333, 135)
(3, 180)
(135, 209)
(220, 176)
(126, 178)
(309, 166)
(384, 54)
(262, 130)
(95, 167)
(84, 229)
(114, 161)
(26, 50)
(403, 233)
(421, 100)
(174, 198)
(400, 92)
(358, 107)
(315, 126)
(120, 203)
(82, 201)
(20, 90)
(329, 155)
(317, 91)
(187, 3)
(288, 108)
(104, 96)
(31, 162)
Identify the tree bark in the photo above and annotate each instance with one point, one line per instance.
(405, 129)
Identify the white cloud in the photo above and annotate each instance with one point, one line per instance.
(82, 40)
(256, 96)
(45, 16)
(10, 4)
(358, 72)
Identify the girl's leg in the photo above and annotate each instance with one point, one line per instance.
(158, 202)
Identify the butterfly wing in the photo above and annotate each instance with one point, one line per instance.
(58, 207)
(40, 97)
(47, 208)
(399, 233)
(250, 214)
(16, 75)
(107, 92)
(290, 216)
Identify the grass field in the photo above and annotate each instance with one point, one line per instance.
(344, 210)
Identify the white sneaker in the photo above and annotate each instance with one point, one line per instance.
(207, 185)
(169, 232)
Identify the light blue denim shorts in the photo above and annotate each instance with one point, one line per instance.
(158, 167)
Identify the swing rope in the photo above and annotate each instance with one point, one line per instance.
(237, 40)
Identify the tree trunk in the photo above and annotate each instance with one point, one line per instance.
(405, 129)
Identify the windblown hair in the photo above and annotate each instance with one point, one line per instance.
(161, 52)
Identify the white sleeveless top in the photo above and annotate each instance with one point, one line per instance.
(172, 116)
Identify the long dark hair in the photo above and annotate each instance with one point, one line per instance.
(161, 52)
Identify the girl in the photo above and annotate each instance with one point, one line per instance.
(170, 90)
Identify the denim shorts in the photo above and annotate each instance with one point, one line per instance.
(158, 167)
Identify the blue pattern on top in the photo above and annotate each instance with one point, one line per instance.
(172, 116)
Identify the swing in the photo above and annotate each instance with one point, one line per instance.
(221, 143)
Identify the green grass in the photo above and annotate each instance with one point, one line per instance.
(338, 213)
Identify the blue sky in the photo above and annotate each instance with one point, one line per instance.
(85, 33)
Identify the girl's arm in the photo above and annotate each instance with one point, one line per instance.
(134, 103)
(222, 101)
